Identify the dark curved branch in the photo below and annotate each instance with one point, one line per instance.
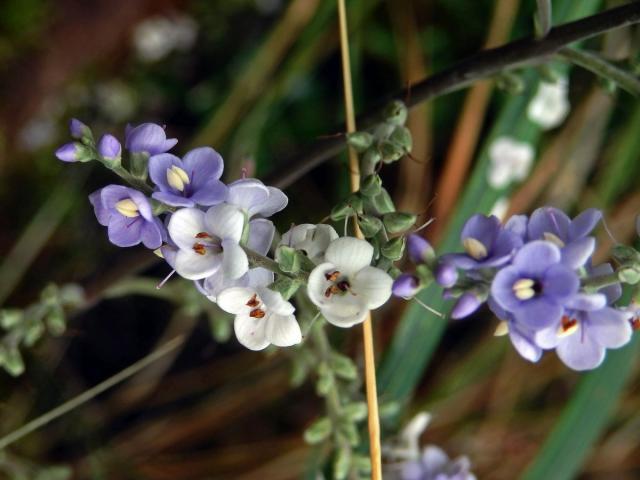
(482, 65)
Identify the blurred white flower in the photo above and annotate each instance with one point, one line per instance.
(550, 106)
(116, 100)
(156, 37)
(500, 208)
(510, 161)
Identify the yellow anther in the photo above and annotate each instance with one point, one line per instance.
(158, 252)
(501, 330)
(475, 248)
(177, 177)
(523, 289)
(553, 238)
(128, 208)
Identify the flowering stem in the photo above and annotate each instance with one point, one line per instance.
(257, 260)
(369, 357)
(600, 281)
(598, 65)
(128, 177)
(87, 395)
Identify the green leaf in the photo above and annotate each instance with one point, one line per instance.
(585, 417)
(318, 431)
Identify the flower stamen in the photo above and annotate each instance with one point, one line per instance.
(253, 301)
(524, 289)
(475, 248)
(567, 326)
(553, 238)
(127, 208)
(199, 248)
(257, 313)
(177, 178)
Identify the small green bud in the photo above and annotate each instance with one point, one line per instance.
(324, 385)
(13, 363)
(360, 141)
(356, 203)
(56, 322)
(9, 318)
(139, 163)
(383, 130)
(352, 205)
(369, 225)
(424, 273)
(625, 255)
(287, 259)
(393, 249)
(33, 333)
(391, 151)
(397, 222)
(396, 113)
(371, 185)
(401, 136)
(299, 372)
(342, 464)
(318, 431)
(286, 286)
(394, 272)
(220, 327)
(355, 412)
(629, 275)
(343, 366)
(383, 203)
(349, 432)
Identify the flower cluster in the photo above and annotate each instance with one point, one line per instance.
(536, 275)
(219, 235)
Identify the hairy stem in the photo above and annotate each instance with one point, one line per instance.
(257, 260)
(464, 73)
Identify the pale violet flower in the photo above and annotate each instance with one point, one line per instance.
(346, 286)
(313, 240)
(510, 161)
(208, 242)
(550, 106)
(255, 198)
(263, 317)
(434, 464)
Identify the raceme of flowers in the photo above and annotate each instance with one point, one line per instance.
(537, 276)
(219, 235)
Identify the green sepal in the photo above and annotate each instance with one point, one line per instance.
(342, 464)
(10, 317)
(288, 259)
(370, 160)
(32, 334)
(391, 152)
(355, 412)
(401, 136)
(318, 431)
(12, 362)
(397, 222)
(56, 322)
(383, 202)
(629, 275)
(393, 249)
(286, 286)
(424, 274)
(343, 366)
(369, 225)
(360, 141)
(139, 163)
(625, 255)
(396, 113)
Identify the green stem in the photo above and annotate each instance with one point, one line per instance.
(84, 397)
(596, 64)
(129, 178)
(257, 260)
(600, 281)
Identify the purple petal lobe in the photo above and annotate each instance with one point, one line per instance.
(535, 257)
(583, 224)
(577, 253)
(580, 352)
(465, 306)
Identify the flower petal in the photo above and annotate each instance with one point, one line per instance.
(260, 277)
(283, 330)
(548, 220)
(609, 327)
(586, 301)
(261, 232)
(202, 164)
(274, 302)
(151, 234)
(102, 214)
(547, 338)
(576, 254)
(372, 285)
(560, 283)
(209, 193)
(482, 228)
(538, 313)
(193, 266)
(535, 257)
(173, 199)
(158, 166)
(502, 288)
(234, 260)
(251, 332)
(583, 224)
(349, 254)
(248, 194)
(580, 352)
(184, 225)
(317, 284)
(124, 231)
(339, 317)
(276, 201)
(523, 345)
(234, 300)
(225, 221)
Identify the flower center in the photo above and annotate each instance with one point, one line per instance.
(567, 326)
(553, 238)
(635, 323)
(525, 288)
(254, 303)
(128, 208)
(475, 248)
(177, 178)
(206, 243)
(338, 285)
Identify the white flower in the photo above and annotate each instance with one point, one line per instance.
(263, 317)
(510, 161)
(209, 242)
(312, 239)
(157, 36)
(346, 287)
(500, 208)
(212, 286)
(550, 105)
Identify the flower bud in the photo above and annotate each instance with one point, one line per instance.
(383, 202)
(371, 185)
(360, 141)
(629, 275)
(370, 161)
(109, 148)
(391, 152)
(401, 136)
(405, 286)
(393, 249)
(446, 275)
(79, 130)
(420, 251)
(318, 431)
(465, 306)
(396, 113)
(73, 152)
(369, 225)
(397, 222)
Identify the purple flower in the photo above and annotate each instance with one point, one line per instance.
(148, 138)
(445, 274)
(434, 464)
(486, 242)
(522, 337)
(420, 251)
(405, 286)
(572, 236)
(69, 152)
(188, 182)
(109, 147)
(536, 286)
(255, 198)
(127, 214)
(588, 327)
(466, 305)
